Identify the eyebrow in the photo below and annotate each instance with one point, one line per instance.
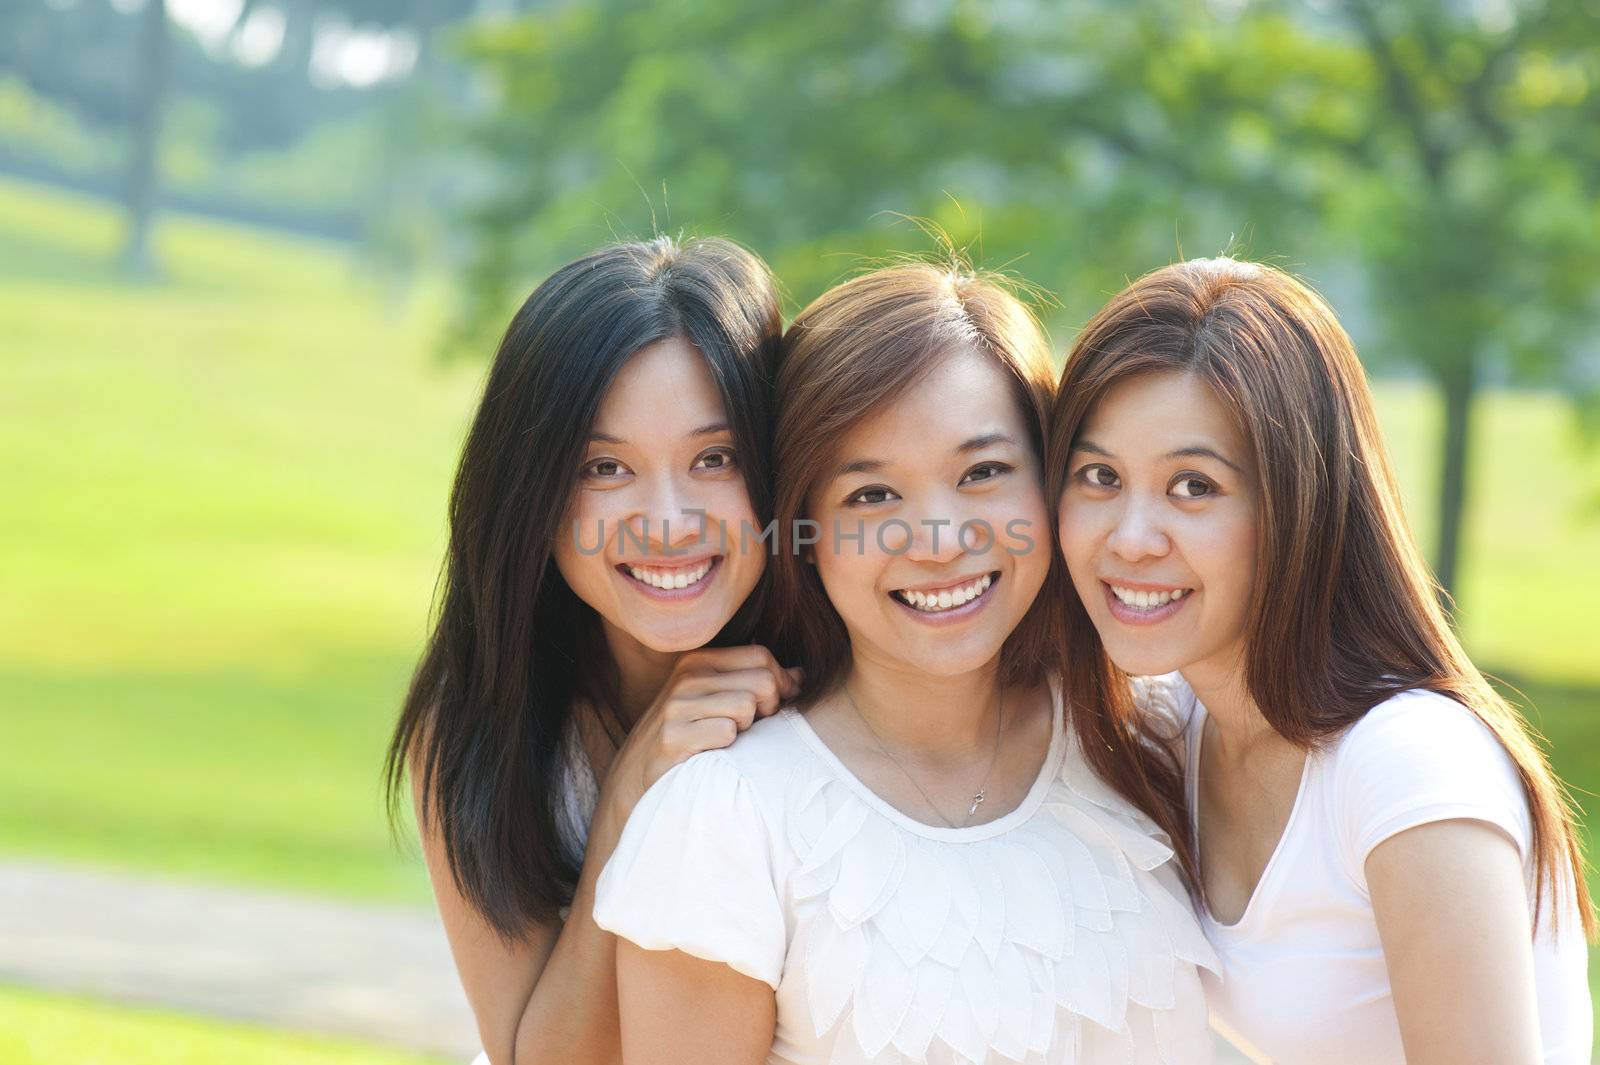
(976, 443)
(705, 430)
(1192, 451)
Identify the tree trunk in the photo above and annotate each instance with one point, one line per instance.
(155, 70)
(1460, 385)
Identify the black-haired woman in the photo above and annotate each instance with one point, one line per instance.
(605, 566)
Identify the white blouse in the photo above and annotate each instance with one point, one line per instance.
(1059, 932)
(1304, 979)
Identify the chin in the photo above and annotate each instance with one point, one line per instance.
(1144, 662)
(675, 639)
(951, 661)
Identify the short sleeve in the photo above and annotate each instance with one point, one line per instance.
(694, 872)
(1421, 757)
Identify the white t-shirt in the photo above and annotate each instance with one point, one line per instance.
(1055, 933)
(1304, 979)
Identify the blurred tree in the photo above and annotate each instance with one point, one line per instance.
(1456, 152)
(1450, 149)
(154, 74)
(803, 135)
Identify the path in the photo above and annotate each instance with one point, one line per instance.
(380, 974)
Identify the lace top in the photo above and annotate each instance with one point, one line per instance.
(1058, 932)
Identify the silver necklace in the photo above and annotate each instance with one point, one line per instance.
(978, 796)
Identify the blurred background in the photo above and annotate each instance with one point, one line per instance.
(255, 254)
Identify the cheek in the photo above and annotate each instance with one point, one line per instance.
(727, 499)
(1223, 555)
(581, 556)
(1078, 533)
(849, 568)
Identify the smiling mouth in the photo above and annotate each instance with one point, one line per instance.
(1144, 599)
(671, 578)
(950, 598)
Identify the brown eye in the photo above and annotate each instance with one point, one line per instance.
(604, 469)
(1193, 487)
(988, 471)
(1098, 476)
(869, 496)
(720, 459)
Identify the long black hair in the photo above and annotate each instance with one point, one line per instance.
(513, 647)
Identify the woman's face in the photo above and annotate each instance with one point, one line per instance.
(1158, 525)
(933, 540)
(641, 541)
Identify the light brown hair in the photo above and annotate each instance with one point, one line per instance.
(1352, 607)
(851, 352)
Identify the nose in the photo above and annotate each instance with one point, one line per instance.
(936, 534)
(668, 517)
(1138, 533)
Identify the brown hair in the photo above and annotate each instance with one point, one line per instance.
(854, 349)
(1352, 606)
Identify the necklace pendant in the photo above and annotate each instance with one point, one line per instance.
(976, 801)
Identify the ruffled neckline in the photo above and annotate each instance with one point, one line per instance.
(970, 833)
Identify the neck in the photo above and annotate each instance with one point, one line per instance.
(1241, 727)
(931, 718)
(641, 671)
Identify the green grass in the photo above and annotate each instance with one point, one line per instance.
(222, 518)
(37, 1029)
(224, 510)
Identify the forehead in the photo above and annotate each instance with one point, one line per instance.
(663, 387)
(1160, 412)
(963, 392)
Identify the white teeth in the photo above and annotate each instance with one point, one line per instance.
(670, 579)
(949, 598)
(1143, 600)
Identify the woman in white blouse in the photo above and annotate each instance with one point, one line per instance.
(1388, 862)
(922, 866)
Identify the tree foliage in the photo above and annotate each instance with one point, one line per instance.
(1448, 152)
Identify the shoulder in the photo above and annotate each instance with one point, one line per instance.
(1429, 732)
(754, 772)
(1419, 757)
(769, 742)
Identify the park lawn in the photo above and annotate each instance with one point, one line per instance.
(221, 528)
(47, 1029)
(223, 516)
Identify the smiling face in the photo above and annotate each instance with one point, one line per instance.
(659, 450)
(1158, 525)
(933, 542)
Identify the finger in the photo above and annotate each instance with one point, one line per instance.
(707, 734)
(711, 660)
(686, 694)
(728, 659)
(738, 704)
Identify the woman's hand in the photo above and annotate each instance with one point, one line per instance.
(710, 697)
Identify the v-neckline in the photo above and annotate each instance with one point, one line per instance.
(1259, 889)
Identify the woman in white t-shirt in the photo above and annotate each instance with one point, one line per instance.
(1388, 863)
(922, 867)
